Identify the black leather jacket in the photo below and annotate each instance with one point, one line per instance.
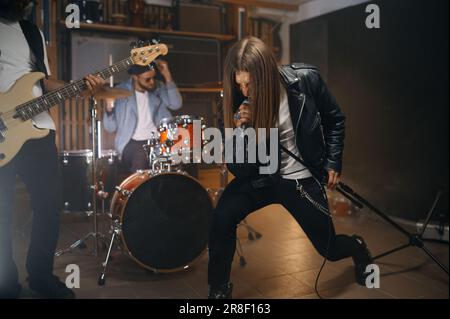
(317, 120)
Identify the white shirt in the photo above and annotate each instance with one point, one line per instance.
(145, 125)
(290, 167)
(16, 60)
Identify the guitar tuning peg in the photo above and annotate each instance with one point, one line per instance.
(156, 41)
(133, 45)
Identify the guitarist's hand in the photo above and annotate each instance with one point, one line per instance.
(93, 83)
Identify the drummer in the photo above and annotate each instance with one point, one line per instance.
(133, 119)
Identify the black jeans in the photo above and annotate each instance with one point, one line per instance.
(240, 199)
(37, 166)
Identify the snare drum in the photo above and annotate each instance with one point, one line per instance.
(163, 219)
(76, 169)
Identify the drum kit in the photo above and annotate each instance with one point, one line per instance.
(161, 215)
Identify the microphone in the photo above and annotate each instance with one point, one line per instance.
(245, 125)
(242, 128)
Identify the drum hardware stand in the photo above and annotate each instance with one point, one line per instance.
(415, 240)
(97, 187)
(149, 149)
(116, 230)
(253, 234)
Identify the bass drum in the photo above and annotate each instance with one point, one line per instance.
(164, 219)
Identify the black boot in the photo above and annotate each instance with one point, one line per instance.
(362, 259)
(10, 291)
(50, 288)
(221, 292)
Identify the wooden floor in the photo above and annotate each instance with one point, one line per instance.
(281, 264)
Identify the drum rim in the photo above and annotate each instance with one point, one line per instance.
(166, 120)
(109, 152)
(88, 153)
(190, 117)
(75, 153)
(188, 265)
(175, 119)
(146, 176)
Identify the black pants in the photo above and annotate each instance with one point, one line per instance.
(240, 199)
(134, 157)
(37, 166)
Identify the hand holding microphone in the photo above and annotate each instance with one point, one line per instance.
(243, 120)
(243, 117)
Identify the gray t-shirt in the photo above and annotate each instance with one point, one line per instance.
(16, 60)
(290, 167)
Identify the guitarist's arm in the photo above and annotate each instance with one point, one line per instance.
(52, 84)
(94, 84)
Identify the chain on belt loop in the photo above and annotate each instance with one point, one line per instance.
(306, 195)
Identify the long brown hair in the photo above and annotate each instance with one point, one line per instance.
(253, 56)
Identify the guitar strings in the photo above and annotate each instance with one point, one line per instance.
(52, 99)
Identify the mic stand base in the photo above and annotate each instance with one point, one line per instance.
(414, 239)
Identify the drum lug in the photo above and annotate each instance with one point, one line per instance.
(117, 227)
(122, 191)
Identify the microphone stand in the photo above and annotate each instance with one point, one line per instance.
(96, 187)
(95, 156)
(414, 239)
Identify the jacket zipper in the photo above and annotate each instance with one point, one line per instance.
(298, 121)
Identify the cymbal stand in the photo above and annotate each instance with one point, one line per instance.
(97, 188)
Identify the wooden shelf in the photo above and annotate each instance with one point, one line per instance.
(263, 4)
(200, 90)
(136, 30)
